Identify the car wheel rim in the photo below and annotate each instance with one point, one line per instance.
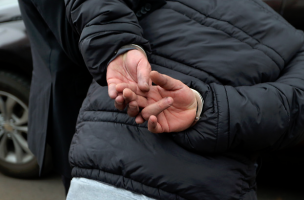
(13, 130)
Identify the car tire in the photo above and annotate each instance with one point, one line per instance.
(16, 160)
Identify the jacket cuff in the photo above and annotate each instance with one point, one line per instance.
(211, 133)
(200, 105)
(223, 126)
(125, 49)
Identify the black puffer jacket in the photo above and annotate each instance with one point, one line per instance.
(245, 60)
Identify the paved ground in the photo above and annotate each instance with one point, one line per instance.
(50, 188)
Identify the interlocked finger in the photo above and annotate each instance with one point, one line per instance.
(139, 119)
(120, 103)
(130, 96)
(153, 126)
(156, 108)
(120, 88)
(133, 109)
(166, 82)
(112, 91)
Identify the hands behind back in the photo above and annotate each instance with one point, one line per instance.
(169, 106)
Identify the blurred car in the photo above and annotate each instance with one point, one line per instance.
(15, 75)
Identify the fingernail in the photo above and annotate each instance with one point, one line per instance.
(138, 121)
(169, 100)
(145, 85)
(132, 107)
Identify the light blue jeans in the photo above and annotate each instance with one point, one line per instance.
(86, 189)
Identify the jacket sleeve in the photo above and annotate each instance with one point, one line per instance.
(266, 116)
(104, 26)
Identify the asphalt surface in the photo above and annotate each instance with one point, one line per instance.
(50, 188)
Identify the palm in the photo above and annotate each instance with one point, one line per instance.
(131, 68)
(118, 72)
(180, 115)
(170, 106)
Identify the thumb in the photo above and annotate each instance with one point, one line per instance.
(166, 82)
(143, 75)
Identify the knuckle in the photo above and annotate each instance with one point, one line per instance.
(133, 96)
(132, 113)
(151, 129)
(145, 115)
(119, 107)
(133, 105)
(162, 104)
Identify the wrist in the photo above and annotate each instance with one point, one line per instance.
(134, 47)
(124, 49)
(200, 103)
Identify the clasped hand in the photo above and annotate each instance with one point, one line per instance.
(168, 106)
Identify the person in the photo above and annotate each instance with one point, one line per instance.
(230, 52)
(244, 60)
(59, 84)
(60, 81)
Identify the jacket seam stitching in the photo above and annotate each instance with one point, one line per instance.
(278, 89)
(190, 143)
(106, 23)
(73, 143)
(82, 168)
(230, 34)
(217, 124)
(90, 36)
(159, 55)
(114, 122)
(109, 111)
(228, 130)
